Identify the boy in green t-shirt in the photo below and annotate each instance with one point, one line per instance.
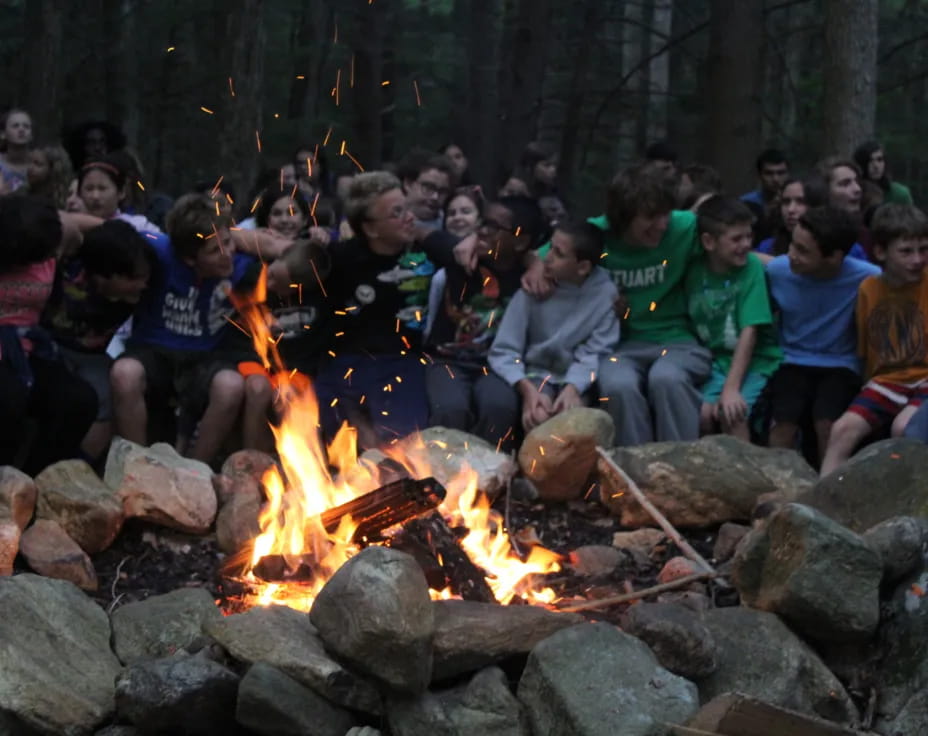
(730, 308)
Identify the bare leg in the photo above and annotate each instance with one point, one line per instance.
(783, 434)
(846, 434)
(741, 430)
(707, 419)
(226, 392)
(822, 434)
(130, 415)
(256, 430)
(901, 420)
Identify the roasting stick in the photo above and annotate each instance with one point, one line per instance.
(668, 528)
(635, 595)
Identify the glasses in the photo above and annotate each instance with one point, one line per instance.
(397, 213)
(491, 227)
(430, 188)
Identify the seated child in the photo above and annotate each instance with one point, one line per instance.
(469, 311)
(892, 324)
(814, 289)
(730, 310)
(96, 289)
(178, 326)
(548, 351)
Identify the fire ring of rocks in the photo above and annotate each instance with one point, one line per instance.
(132, 605)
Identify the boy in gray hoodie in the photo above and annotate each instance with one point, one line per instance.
(549, 351)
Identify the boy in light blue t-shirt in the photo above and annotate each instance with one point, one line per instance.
(730, 309)
(814, 288)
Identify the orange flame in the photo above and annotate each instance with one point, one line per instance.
(291, 525)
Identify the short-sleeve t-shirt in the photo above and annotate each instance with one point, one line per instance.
(651, 280)
(721, 305)
(892, 328)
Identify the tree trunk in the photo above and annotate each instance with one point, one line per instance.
(368, 97)
(483, 94)
(242, 114)
(42, 80)
(311, 51)
(659, 72)
(632, 53)
(733, 88)
(850, 73)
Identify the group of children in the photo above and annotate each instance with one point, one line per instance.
(426, 304)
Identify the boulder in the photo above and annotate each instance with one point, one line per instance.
(10, 534)
(161, 625)
(49, 551)
(285, 639)
(910, 721)
(118, 731)
(559, 455)
(698, 484)
(484, 706)
(247, 464)
(594, 680)
(730, 534)
(470, 635)
(820, 577)
(640, 542)
(237, 521)
(679, 640)
(158, 485)
(902, 671)
(900, 543)
(192, 695)
(596, 560)
(71, 493)
(443, 453)
(759, 656)
(678, 567)
(17, 496)
(376, 615)
(271, 703)
(896, 467)
(57, 670)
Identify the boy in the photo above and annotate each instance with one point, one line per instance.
(729, 306)
(462, 393)
(549, 350)
(178, 326)
(892, 324)
(814, 289)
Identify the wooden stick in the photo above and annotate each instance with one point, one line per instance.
(626, 597)
(668, 528)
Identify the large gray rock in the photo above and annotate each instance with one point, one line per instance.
(10, 534)
(17, 496)
(376, 615)
(679, 640)
(883, 480)
(559, 455)
(697, 484)
(823, 579)
(272, 704)
(237, 522)
(51, 552)
(71, 493)
(470, 635)
(910, 721)
(285, 639)
(900, 543)
(183, 694)
(758, 655)
(161, 625)
(594, 680)
(484, 706)
(57, 670)
(902, 672)
(158, 485)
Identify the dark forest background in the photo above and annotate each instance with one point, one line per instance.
(597, 79)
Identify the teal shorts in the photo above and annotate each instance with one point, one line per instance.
(751, 387)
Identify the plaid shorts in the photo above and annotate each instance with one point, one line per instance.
(880, 402)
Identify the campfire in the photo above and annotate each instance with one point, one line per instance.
(324, 504)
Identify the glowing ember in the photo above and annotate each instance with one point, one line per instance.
(291, 526)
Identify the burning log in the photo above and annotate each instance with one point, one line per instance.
(462, 575)
(393, 504)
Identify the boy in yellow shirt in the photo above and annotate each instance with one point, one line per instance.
(892, 333)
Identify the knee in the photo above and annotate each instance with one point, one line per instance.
(664, 378)
(227, 388)
(845, 429)
(127, 376)
(614, 380)
(899, 424)
(258, 390)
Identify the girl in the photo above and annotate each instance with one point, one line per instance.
(101, 186)
(282, 213)
(15, 146)
(870, 158)
(463, 212)
(50, 175)
(459, 163)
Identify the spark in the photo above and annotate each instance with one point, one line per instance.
(312, 210)
(628, 311)
(334, 402)
(604, 398)
(355, 161)
(405, 342)
(397, 326)
(236, 324)
(613, 359)
(331, 352)
(348, 374)
(450, 372)
(339, 334)
(541, 449)
(385, 83)
(399, 379)
(415, 86)
(385, 413)
(341, 151)
(206, 110)
(587, 494)
(338, 84)
(170, 49)
(518, 231)
(653, 306)
(543, 382)
(139, 184)
(301, 76)
(258, 139)
(363, 399)
(216, 186)
(335, 36)
(231, 87)
(351, 74)
(492, 317)
(312, 263)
